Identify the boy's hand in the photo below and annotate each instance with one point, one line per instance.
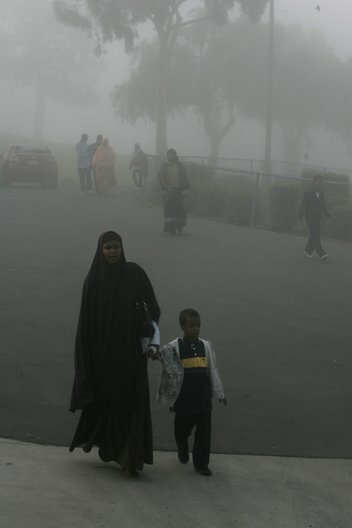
(153, 352)
(223, 400)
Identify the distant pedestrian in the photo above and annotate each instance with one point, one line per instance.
(104, 165)
(139, 166)
(111, 380)
(189, 380)
(92, 150)
(312, 208)
(84, 165)
(174, 181)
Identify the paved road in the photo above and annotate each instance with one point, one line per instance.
(280, 324)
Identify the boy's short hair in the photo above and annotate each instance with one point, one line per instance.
(188, 312)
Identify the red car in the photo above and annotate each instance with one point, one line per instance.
(28, 164)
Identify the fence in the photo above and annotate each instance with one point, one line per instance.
(279, 167)
(245, 196)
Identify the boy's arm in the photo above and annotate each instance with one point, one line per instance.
(216, 383)
(171, 376)
(162, 353)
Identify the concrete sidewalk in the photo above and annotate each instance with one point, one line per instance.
(44, 486)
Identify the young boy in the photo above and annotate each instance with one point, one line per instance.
(189, 380)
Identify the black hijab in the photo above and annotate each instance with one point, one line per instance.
(108, 354)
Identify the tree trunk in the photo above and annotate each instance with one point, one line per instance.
(215, 133)
(161, 95)
(214, 150)
(293, 138)
(39, 110)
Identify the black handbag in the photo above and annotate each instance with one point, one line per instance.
(145, 325)
(144, 321)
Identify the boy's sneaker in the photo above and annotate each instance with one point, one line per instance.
(205, 471)
(324, 257)
(307, 254)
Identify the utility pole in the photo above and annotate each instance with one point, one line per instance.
(269, 104)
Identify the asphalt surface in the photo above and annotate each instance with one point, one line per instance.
(280, 323)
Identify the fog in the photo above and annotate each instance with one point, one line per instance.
(65, 122)
(241, 247)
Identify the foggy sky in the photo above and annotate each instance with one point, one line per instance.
(333, 19)
(66, 123)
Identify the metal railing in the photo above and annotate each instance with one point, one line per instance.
(260, 182)
(279, 167)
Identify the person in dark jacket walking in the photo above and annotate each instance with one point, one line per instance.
(312, 208)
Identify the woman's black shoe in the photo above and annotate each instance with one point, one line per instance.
(132, 473)
(103, 456)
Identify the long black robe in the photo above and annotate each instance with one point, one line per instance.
(111, 380)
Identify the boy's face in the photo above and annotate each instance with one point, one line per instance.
(191, 328)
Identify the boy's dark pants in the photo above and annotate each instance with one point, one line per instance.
(184, 423)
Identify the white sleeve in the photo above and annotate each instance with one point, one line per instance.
(155, 340)
(216, 383)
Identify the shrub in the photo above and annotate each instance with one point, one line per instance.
(239, 201)
(341, 225)
(209, 200)
(335, 183)
(199, 174)
(284, 206)
(227, 195)
(239, 208)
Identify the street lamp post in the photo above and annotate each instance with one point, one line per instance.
(269, 104)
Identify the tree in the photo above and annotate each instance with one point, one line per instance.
(224, 71)
(119, 19)
(57, 64)
(193, 83)
(198, 78)
(210, 95)
(310, 87)
(305, 89)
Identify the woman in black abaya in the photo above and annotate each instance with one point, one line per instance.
(111, 380)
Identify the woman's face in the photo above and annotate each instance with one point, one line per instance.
(112, 251)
